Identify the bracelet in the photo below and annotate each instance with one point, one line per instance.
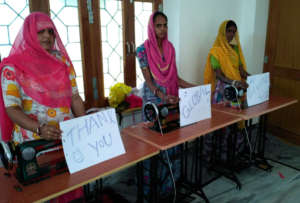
(233, 83)
(39, 129)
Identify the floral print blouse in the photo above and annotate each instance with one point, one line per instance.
(14, 95)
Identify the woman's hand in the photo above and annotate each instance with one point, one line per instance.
(244, 74)
(184, 84)
(77, 106)
(171, 99)
(241, 84)
(50, 132)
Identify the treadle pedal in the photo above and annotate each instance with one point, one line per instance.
(264, 166)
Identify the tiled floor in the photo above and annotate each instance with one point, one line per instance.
(282, 184)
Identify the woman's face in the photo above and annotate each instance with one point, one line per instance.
(161, 27)
(46, 38)
(230, 33)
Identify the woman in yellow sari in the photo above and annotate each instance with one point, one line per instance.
(225, 62)
(225, 66)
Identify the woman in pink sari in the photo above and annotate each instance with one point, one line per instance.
(156, 57)
(38, 85)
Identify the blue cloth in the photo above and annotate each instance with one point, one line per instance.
(142, 56)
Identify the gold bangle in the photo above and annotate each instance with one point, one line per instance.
(39, 129)
(233, 83)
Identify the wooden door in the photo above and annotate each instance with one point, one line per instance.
(128, 46)
(283, 62)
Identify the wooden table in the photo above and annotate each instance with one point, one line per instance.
(44, 190)
(274, 103)
(260, 110)
(180, 136)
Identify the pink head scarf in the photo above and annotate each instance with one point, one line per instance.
(164, 72)
(43, 77)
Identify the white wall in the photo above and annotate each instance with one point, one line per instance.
(173, 23)
(194, 24)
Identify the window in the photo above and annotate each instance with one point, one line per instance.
(65, 17)
(111, 43)
(142, 12)
(13, 14)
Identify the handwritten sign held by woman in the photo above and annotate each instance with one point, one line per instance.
(194, 104)
(91, 139)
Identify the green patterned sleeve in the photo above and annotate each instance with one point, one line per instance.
(214, 62)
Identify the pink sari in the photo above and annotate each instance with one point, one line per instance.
(164, 72)
(42, 76)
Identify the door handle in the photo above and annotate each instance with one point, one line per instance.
(128, 48)
(133, 47)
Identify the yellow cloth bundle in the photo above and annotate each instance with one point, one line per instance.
(117, 94)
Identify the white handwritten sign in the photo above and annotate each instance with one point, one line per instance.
(194, 104)
(91, 139)
(259, 88)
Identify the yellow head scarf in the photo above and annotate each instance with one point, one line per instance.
(227, 57)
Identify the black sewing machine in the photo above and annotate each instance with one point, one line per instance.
(36, 160)
(165, 117)
(233, 94)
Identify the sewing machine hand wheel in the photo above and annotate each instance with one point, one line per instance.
(5, 155)
(151, 112)
(230, 93)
